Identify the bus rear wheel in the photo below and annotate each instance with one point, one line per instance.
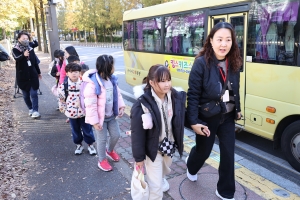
(290, 144)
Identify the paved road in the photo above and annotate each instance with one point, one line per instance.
(89, 56)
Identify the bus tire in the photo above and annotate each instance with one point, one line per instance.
(290, 144)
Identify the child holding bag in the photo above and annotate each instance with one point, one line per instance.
(103, 103)
(156, 121)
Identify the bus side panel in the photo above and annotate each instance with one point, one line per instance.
(256, 114)
(270, 85)
(137, 65)
(277, 82)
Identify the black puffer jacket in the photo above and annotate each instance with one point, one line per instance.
(146, 142)
(204, 86)
(27, 76)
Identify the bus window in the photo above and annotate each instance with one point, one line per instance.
(273, 34)
(148, 35)
(128, 35)
(238, 25)
(184, 33)
(219, 20)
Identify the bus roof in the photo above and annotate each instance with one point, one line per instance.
(174, 7)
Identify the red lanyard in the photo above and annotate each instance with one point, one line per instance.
(224, 75)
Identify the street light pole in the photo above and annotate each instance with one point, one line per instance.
(52, 27)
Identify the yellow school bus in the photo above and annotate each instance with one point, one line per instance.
(268, 36)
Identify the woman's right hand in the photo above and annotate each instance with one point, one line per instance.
(26, 53)
(140, 164)
(201, 129)
(97, 127)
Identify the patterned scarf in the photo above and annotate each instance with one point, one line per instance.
(21, 47)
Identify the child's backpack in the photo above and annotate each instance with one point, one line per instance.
(66, 88)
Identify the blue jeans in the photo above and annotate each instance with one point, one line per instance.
(31, 99)
(79, 124)
(111, 125)
(222, 126)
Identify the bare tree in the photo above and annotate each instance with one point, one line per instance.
(43, 27)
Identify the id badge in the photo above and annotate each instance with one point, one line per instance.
(226, 96)
(28, 63)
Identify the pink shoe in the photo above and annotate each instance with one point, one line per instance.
(113, 155)
(104, 165)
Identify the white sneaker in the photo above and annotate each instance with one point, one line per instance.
(30, 112)
(92, 150)
(165, 186)
(186, 159)
(190, 176)
(35, 114)
(79, 149)
(218, 195)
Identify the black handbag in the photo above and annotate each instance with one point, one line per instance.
(213, 107)
(3, 56)
(166, 147)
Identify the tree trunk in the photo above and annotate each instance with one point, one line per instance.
(111, 37)
(37, 23)
(4, 33)
(89, 35)
(95, 31)
(43, 27)
(104, 31)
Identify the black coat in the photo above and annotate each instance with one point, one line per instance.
(34, 44)
(204, 86)
(146, 142)
(27, 76)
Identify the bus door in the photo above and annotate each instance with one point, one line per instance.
(239, 22)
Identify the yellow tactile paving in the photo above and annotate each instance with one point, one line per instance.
(127, 110)
(244, 176)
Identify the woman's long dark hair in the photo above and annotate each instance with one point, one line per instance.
(156, 74)
(104, 66)
(233, 56)
(72, 51)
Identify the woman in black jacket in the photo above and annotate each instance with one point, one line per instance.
(157, 113)
(27, 73)
(218, 61)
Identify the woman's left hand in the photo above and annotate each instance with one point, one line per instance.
(40, 76)
(239, 116)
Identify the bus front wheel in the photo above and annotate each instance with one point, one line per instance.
(290, 144)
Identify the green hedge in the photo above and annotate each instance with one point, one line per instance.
(101, 39)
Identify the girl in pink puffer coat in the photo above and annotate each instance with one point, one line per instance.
(103, 103)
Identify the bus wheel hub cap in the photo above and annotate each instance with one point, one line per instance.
(296, 146)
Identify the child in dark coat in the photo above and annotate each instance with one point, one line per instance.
(55, 72)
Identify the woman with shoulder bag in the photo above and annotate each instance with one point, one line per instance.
(214, 93)
(157, 127)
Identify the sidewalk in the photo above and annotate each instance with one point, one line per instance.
(59, 174)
